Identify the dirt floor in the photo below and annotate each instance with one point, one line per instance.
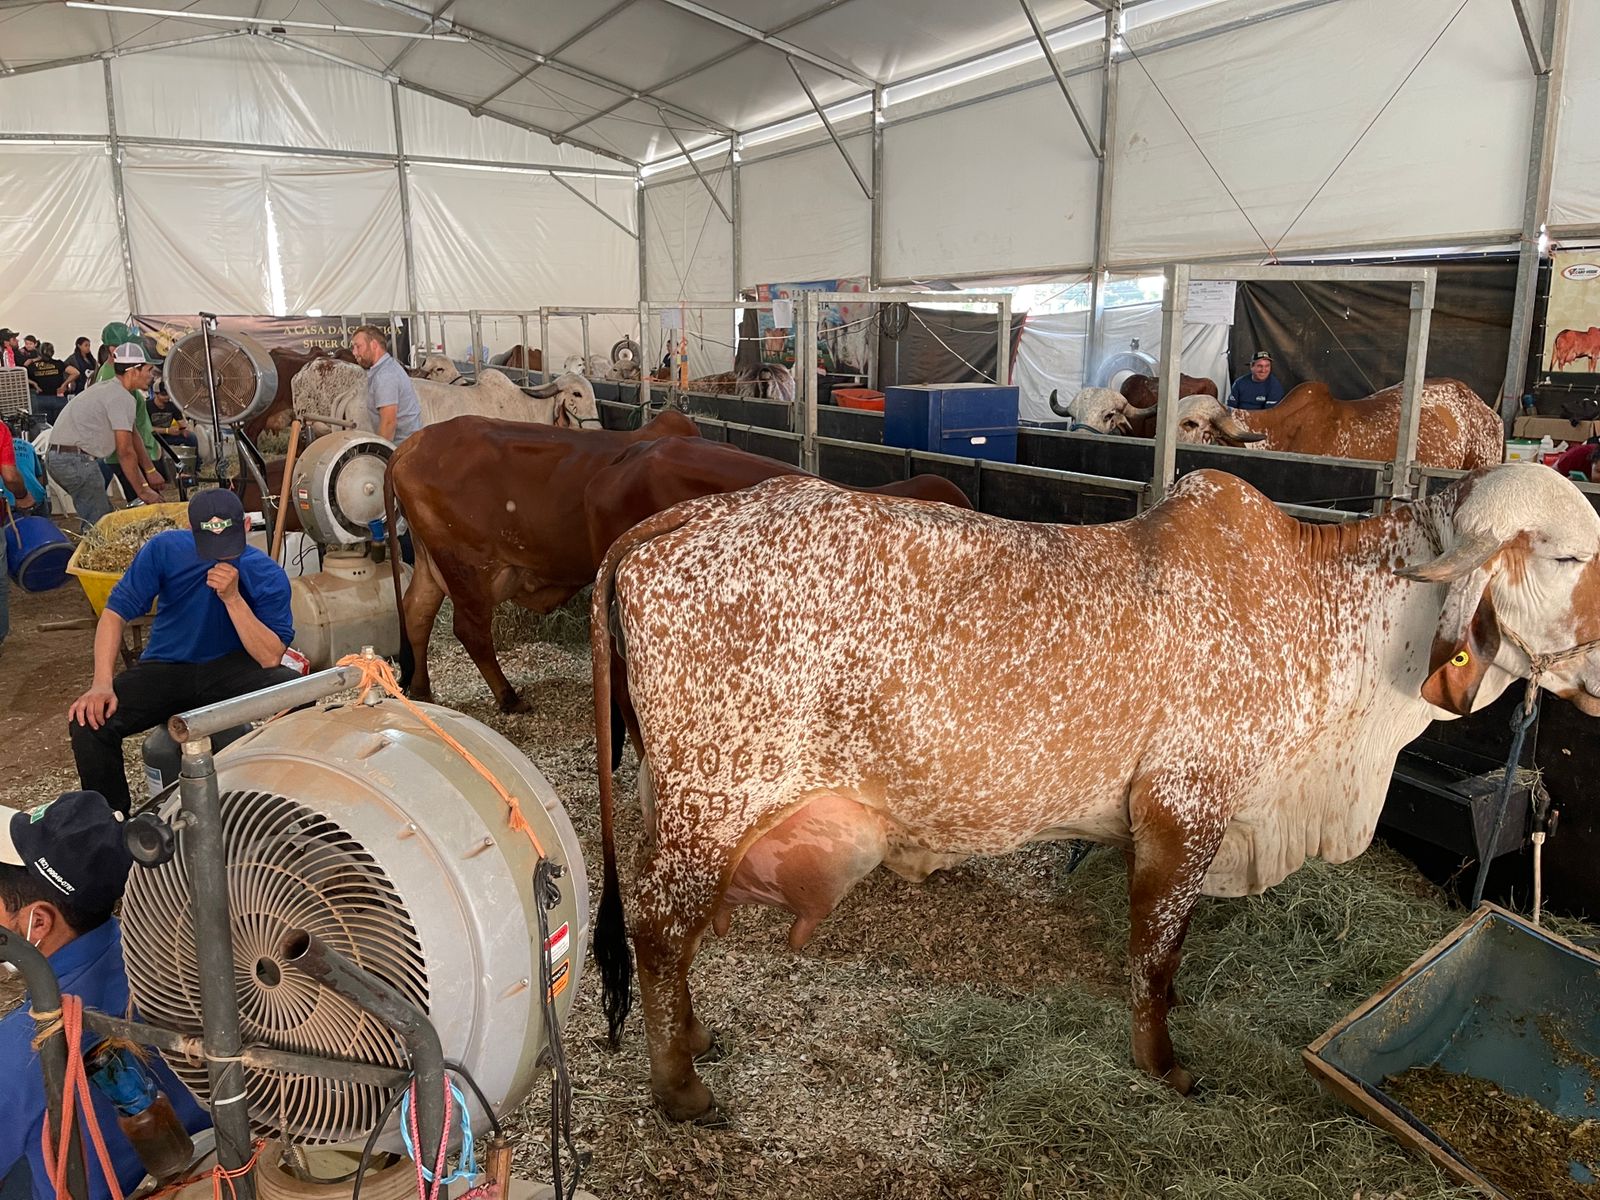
(827, 1084)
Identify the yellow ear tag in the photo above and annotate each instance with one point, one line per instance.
(1461, 659)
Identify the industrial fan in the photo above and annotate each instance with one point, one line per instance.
(241, 368)
(359, 825)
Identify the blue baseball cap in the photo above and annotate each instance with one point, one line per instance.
(73, 846)
(216, 516)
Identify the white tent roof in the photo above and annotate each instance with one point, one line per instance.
(617, 77)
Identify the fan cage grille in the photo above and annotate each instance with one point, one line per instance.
(288, 867)
(238, 386)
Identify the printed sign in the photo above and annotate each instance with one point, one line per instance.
(1211, 302)
(300, 334)
(843, 329)
(1572, 317)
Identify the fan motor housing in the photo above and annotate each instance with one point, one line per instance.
(242, 370)
(360, 824)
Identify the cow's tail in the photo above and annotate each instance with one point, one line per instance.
(408, 660)
(611, 954)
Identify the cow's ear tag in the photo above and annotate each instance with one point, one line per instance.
(1461, 659)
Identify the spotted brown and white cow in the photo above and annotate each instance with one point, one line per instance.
(1455, 428)
(827, 680)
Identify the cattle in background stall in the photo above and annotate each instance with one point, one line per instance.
(1455, 428)
(1142, 390)
(1572, 344)
(519, 357)
(827, 681)
(339, 390)
(1097, 410)
(769, 381)
(280, 412)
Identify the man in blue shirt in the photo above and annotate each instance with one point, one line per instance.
(391, 398)
(62, 871)
(222, 625)
(1259, 389)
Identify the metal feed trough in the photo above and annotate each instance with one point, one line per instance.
(1498, 999)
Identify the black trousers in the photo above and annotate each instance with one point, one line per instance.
(147, 695)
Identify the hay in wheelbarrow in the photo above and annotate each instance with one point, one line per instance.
(1064, 1112)
(112, 546)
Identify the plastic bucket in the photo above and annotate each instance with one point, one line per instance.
(37, 554)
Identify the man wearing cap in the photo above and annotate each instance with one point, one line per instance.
(145, 446)
(221, 628)
(62, 871)
(97, 422)
(1259, 389)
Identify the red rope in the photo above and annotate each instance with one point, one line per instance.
(423, 1191)
(75, 1090)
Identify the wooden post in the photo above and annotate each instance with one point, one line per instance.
(288, 483)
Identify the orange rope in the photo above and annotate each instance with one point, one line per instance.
(375, 672)
(218, 1176)
(75, 1090)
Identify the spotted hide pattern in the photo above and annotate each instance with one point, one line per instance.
(827, 680)
(1455, 428)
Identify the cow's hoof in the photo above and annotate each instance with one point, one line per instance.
(714, 1050)
(514, 703)
(1180, 1080)
(692, 1102)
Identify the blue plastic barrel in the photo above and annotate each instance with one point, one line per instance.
(37, 554)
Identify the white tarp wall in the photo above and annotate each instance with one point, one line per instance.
(491, 238)
(803, 215)
(233, 221)
(1575, 187)
(689, 256)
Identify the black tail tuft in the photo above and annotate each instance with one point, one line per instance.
(613, 957)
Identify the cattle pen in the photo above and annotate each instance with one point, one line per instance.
(870, 599)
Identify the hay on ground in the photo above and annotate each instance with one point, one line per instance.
(566, 626)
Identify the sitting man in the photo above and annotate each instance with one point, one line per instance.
(221, 629)
(1259, 389)
(62, 871)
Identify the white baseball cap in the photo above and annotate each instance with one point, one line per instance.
(129, 352)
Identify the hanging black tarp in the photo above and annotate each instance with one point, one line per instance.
(1352, 336)
(938, 345)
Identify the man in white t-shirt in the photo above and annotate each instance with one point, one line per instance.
(97, 422)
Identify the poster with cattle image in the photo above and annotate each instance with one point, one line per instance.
(842, 336)
(300, 334)
(1572, 317)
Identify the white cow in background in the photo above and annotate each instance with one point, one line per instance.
(328, 388)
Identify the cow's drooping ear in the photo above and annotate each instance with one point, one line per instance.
(1464, 647)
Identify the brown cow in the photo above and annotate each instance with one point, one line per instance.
(496, 513)
(520, 358)
(1572, 345)
(1455, 428)
(1141, 390)
(829, 680)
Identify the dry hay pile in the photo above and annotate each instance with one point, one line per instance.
(273, 443)
(566, 626)
(113, 549)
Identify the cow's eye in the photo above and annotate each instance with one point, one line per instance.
(1569, 559)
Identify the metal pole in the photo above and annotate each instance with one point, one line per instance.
(695, 167)
(1061, 79)
(875, 270)
(205, 856)
(1002, 370)
(403, 172)
(805, 365)
(583, 319)
(475, 328)
(544, 343)
(522, 321)
(738, 232)
(1405, 450)
(1174, 303)
(118, 195)
(200, 723)
(1536, 207)
(1106, 173)
(645, 355)
(44, 996)
(822, 116)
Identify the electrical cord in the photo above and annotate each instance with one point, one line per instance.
(372, 1137)
(546, 896)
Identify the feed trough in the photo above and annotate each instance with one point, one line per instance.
(1484, 1054)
